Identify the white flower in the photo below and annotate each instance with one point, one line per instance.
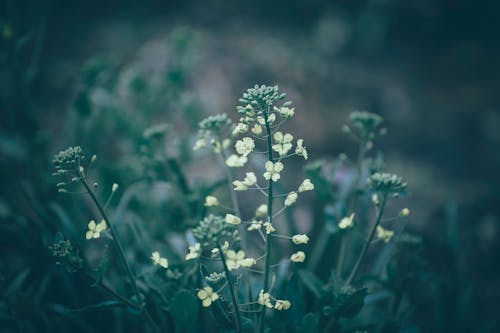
(282, 305)
(269, 228)
(240, 128)
(95, 229)
(273, 170)
(211, 201)
(264, 299)
(284, 143)
(375, 199)
(233, 259)
(114, 187)
(291, 198)
(158, 260)
(298, 256)
(257, 129)
(217, 146)
(300, 239)
(200, 143)
(306, 185)
(239, 186)
(404, 212)
(250, 180)
(347, 222)
(248, 262)
(270, 118)
(232, 219)
(384, 234)
(244, 146)
(254, 225)
(194, 252)
(286, 112)
(235, 161)
(207, 296)
(300, 149)
(261, 210)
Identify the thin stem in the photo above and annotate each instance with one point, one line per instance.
(350, 206)
(231, 289)
(121, 254)
(270, 220)
(368, 241)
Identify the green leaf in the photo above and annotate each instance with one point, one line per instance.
(309, 324)
(312, 283)
(184, 309)
(353, 305)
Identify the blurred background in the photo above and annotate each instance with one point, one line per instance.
(98, 73)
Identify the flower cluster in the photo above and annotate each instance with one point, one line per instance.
(95, 229)
(386, 183)
(214, 229)
(365, 125)
(66, 254)
(212, 131)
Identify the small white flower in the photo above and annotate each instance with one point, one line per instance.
(232, 219)
(273, 170)
(291, 198)
(286, 112)
(235, 161)
(194, 252)
(257, 129)
(255, 225)
(211, 201)
(239, 186)
(248, 262)
(270, 118)
(282, 305)
(218, 148)
(375, 199)
(284, 143)
(300, 239)
(261, 210)
(233, 259)
(240, 128)
(298, 256)
(95, 229)
(245, 146)
(269, 228)
(114, 187)
(306, 185)
(207, 296)
(264, 299)
(404, 212)
(300, 149)
(347, 222)
(250, 180)
(200, 143)
(384, 234)
(158, 260)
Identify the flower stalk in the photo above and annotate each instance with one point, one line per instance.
(231, 288)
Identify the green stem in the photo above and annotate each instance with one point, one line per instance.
(368, 241)
(121, 254)
(350, 206)
(270, 220)
(231, 289)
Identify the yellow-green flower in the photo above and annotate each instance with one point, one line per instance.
(384, 234)
(291, 198)
(282, 305)
(298, 256)
(300, 149)
(306, 185)
(232, 219)
(200, 143)
(240, 128)
(273, 170)
(254, 225)
(257, 129)
(235, 161)
(261, 210)
(207, 296)
(245, 146)
(194, 252)
(95, 229)
(211, 201)
(233, 259)
(269, 228)
(284, 143)
(248, 262)
(300, 239)
(404, 212)
(286, 112)
(158, 260)
(264, 299)
(347, 222)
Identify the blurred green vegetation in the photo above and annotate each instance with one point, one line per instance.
(130, 80)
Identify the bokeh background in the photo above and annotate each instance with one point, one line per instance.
(97, 73)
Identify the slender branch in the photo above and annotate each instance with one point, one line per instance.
(270, 220)
(231, 289)
(368, 241)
